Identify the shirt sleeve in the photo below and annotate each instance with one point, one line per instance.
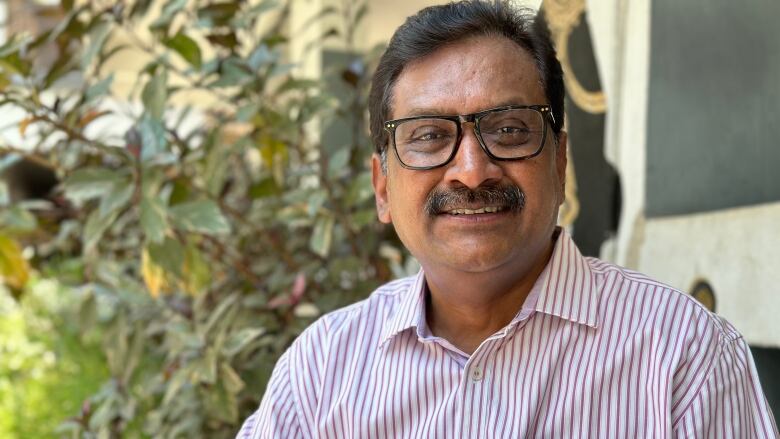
(277, 416)
(729, 403)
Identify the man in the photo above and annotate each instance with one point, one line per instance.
(507, 331)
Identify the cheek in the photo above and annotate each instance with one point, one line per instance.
(542, 189)
(407, 192)
(406, 202)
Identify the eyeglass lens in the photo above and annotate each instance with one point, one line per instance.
(507, 134)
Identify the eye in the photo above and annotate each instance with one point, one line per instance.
(427, 136)
(512, 130)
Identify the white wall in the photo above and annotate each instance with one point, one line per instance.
(736, 250)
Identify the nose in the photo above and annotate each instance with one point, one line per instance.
(471, 166)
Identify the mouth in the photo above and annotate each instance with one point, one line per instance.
(481, 210)
(483, 202)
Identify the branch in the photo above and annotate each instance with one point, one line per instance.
(31, 156)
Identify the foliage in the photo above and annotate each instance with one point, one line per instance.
(45, 368)
(197, 240)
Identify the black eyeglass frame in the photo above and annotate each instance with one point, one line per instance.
(544, 110)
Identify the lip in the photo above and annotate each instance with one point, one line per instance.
(481, 219)
(475, 210)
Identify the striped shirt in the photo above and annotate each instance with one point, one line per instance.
(596, 351)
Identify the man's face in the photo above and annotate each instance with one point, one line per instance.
(462, 78)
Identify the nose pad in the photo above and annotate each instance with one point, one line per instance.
(471, 165)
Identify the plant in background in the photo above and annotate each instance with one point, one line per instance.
(198, 222)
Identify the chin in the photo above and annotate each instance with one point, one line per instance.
(477, 262)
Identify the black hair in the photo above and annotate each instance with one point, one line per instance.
(437, 26)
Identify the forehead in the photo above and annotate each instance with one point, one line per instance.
(467, 76)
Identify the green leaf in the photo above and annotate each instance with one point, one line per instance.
(230, 379)
(202, 216)
(97, 39)
(171, 8)
(155, 94)
(140, 7)
(61, 66)
(118, 198)
(217, 315)
(153, 141)
(265, 188)
(89, 183)
(10, 57)
(99, 89)
(4, 81)
(337, 163)
(274, 154)
(17, 220)
(13, 44)
(233, 73)
(87, 311)
(222, 404)
(153, 219)
(245, 18)
(175, 385)
(180, 191)
(169, 254)
(239, 340)
(217, 13)
(363, 217)
(292, 84)
(228, 40)
(282, 69)
(261, 56)
(186, 47)
(204, 369)
(360, 190)
(322, 236)
(217, 162)
(316, 201)
(196, 273)
(247, 112)
(95, 227)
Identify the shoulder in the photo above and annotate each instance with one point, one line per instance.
(627, 292)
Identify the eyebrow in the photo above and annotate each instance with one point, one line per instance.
(434, 111)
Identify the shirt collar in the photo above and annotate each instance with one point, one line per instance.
(410, 312)
(567, 289)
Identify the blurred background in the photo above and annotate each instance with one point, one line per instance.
(184, 187)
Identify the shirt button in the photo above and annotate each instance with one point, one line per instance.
(476, 373)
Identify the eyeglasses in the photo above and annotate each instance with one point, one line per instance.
(514, 132)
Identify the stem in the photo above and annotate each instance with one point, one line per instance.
(31, 156)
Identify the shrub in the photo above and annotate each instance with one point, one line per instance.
(197, 239)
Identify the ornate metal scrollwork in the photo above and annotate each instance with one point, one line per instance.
(562, 17)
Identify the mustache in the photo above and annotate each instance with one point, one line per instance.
(509, 197)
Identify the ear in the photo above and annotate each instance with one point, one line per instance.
(561, 158)
(379, 181)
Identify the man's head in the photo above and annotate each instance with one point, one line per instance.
(488, 198)
(438, 26)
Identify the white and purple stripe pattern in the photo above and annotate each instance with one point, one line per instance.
(597, 351)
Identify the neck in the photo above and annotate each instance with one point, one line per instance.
(467, 308)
